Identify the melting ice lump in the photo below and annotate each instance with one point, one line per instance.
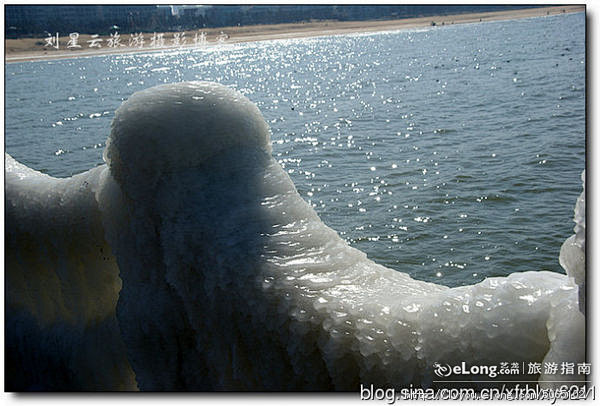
(231, 281)
(572, 252)
(203, 120)
(62, 286)
(563, 318)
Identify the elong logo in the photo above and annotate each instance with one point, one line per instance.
(446, 370)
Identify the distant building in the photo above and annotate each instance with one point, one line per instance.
(189, 10)
(39, 20)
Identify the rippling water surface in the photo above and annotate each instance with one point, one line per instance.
(451, 153)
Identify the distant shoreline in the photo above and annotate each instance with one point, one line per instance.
(33, 49)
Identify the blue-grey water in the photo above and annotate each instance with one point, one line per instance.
(452, 153)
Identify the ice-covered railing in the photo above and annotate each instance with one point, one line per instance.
(572, 253)
(189, 261)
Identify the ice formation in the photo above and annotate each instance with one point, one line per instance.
(61, 286)
(572, 253)
(190, 262)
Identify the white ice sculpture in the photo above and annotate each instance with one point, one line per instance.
(190, 262)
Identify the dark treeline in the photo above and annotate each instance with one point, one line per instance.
(29, 21)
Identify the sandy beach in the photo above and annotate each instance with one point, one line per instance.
(30, 49)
